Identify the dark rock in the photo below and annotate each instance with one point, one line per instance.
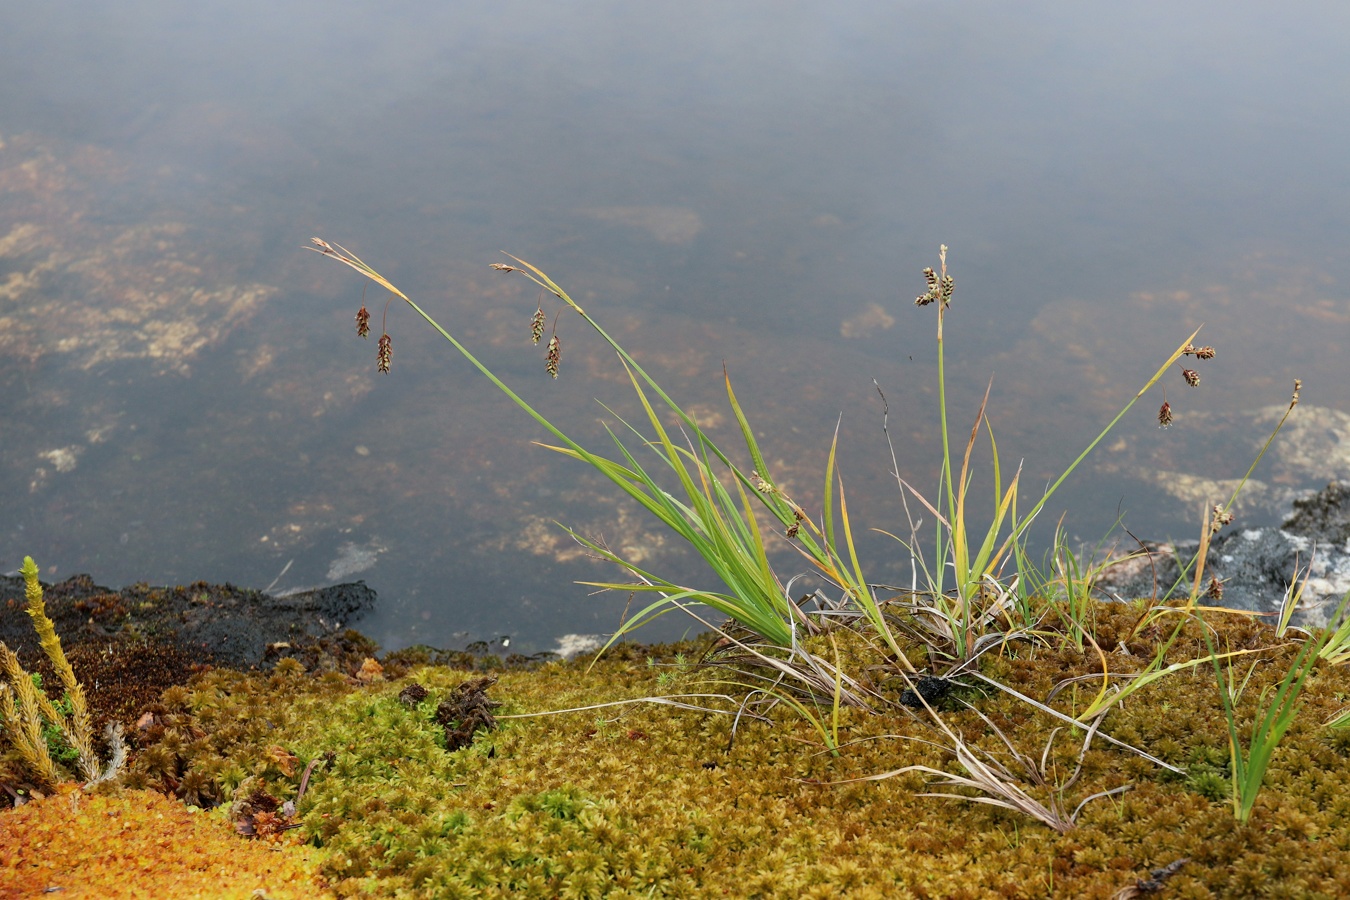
(1257, 565)
(207, 624)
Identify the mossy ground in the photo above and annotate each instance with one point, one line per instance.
(649, 801)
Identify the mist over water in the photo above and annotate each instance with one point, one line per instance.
(183, 395)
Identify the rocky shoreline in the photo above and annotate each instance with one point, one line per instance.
(1256, 565)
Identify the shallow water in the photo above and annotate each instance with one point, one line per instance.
(184, 396)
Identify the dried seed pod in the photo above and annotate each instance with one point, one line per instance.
(362, 321)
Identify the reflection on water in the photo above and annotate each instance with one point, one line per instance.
(183, 395)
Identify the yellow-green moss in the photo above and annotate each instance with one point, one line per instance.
(648, 801)
(645, 801)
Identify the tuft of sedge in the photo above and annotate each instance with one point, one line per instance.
(1165, 415)
(537, 325)
(1215, 589)
(363, 321)
(554, 356)
(383, 354)
(1192, 377)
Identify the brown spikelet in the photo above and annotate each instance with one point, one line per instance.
(1298, 386)
(537, 325)
(363, 321)
(385, 351)
(503, 267)
(1165, 415)
(554, 356)
(1215, 589)
(793, 529)
(1192, 377)
(1220, 518)
(1199, 352)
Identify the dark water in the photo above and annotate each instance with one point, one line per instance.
(183, 395)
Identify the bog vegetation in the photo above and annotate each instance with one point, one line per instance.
(995, 728)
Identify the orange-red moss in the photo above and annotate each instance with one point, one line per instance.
(141, 844)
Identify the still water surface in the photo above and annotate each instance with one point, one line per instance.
(183, 395)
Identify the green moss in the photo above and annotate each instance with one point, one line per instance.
(644, 800)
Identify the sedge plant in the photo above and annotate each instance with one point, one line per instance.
(714, 507)
(1276, 710)
(965, 613)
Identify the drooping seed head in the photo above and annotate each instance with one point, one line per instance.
(503, 267)
(383, 353)
(363, 321)
(554, 356)
(1202, 352)
(1165, 415)
(1192, 377)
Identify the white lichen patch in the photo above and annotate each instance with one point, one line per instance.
(353, 559)
(63, 459)
(570, 645)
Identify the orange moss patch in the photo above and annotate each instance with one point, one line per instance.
(141, 844)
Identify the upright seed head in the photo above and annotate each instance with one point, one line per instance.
(1165, 415)
(1298, 386)
(383, 353)
(363, 321)
(948, 284)
(554, 356)
(1215, 589)
(537, 325)
(1221, 518)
